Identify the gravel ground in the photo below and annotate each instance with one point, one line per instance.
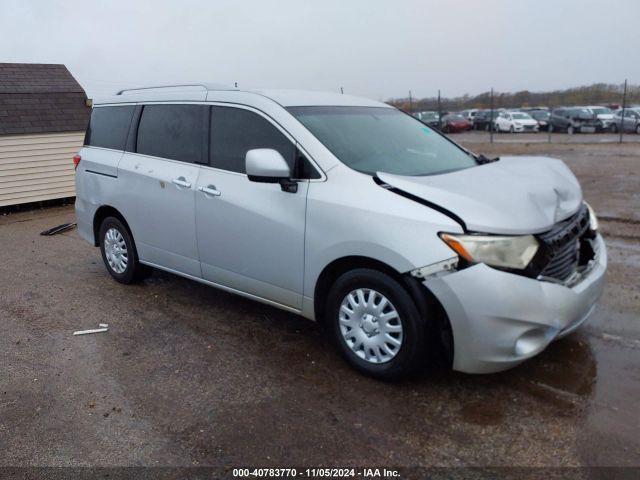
(188, 375)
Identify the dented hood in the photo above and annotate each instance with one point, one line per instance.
(515, 195)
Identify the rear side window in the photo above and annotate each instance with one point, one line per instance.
(109, 126)
(176, 132)
(235, 131)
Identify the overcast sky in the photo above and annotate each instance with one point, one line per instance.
(375, 48)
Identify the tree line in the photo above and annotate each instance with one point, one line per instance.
(596, 94)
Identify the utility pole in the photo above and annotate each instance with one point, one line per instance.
(439, 112)
(410, 103)
(491, 119)
(624, 107)
(549, 127)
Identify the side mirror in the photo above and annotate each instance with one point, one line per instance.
(266, 165)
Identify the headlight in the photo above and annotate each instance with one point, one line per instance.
(593, 220)
(499, 251)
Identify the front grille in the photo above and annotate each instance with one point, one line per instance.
(563, 246)
(563, 263)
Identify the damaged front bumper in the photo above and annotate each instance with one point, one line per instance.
(500, 319)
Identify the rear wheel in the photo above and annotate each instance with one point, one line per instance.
(119, 252)
(376, 325)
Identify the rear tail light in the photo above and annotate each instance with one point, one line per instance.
(76, 161)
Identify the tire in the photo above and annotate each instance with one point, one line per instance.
(119, 252)
(393, 360)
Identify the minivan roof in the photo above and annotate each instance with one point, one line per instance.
(212, 93)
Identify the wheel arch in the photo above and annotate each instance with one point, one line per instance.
(103, 212)
(425, 300)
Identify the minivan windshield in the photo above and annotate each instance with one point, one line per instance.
(379, 139)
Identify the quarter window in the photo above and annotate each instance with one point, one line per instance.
(109, 126)
(175, 132)
(235, 131)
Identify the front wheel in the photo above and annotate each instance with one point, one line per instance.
(376, 325)
(119, 252)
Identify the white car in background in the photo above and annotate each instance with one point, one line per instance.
(604, 115)
(469, 114)
(515, 122)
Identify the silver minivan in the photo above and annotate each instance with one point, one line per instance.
(407, 247)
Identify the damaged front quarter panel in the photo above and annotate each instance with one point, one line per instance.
(435, 269)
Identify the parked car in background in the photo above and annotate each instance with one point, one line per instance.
(469, 114)
(483, 119)
(542, 117)
(604, 115)
(454, 122)
(430, 118)
(573, 120)
(534, 109)
(515, 122)
(631, 120)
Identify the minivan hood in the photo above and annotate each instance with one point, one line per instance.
(515, 195)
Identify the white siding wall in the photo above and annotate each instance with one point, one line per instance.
(37, 167)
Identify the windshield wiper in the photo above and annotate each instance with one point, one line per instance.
(481, 159)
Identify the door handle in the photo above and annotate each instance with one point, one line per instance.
(210, 190)
(181, 182)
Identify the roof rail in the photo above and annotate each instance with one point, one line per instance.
(204, 86)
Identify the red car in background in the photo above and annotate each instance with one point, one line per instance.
(453, 123)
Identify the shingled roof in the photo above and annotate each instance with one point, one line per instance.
(40, 98)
